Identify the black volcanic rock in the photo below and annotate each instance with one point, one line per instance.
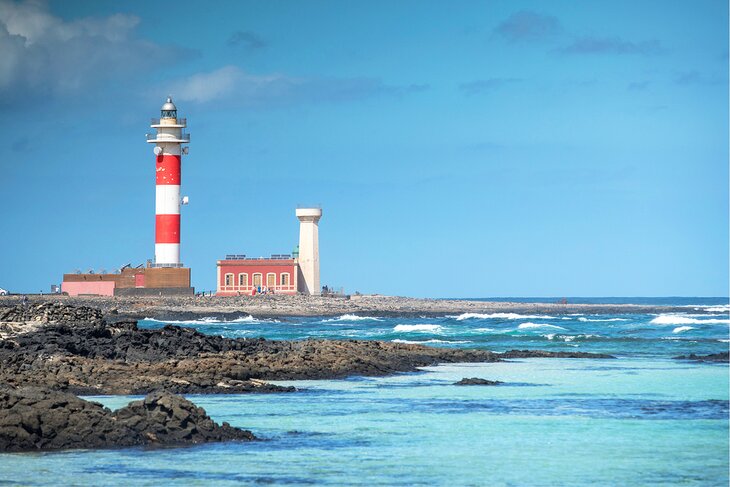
(551, 354)
(713, 357)
(37, 419)
(476, 381)
(50, 313)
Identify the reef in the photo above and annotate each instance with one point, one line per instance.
(476, 381)
(712, 357)
(34, 419)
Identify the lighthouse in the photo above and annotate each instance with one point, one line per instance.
(166, 276)
(168, 151)
(309, 249)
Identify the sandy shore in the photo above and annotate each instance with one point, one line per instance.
(281, 306)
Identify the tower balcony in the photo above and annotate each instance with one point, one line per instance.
(184, 138)
(168, 122)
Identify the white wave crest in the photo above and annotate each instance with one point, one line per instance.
(419, 328)
(680, 329)
(350, 317)
(569, 338)
(528, 326)
(587, 320)
(724, 308)
(683, 320)
(503, 316)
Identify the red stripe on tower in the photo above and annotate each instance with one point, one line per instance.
(168, 169)
(167, 229)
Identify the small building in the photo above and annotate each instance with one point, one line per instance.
(239, 275)
(280, 274)
(129, 281)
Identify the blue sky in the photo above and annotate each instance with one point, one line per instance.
(463, 148)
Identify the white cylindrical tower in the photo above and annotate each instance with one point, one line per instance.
(168, 151)
(309, 249)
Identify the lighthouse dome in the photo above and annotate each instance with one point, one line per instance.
(169, 110)
(169, 105)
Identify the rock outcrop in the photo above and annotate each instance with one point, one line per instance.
(551, 354)
(476, 381)
(713, 357)
(16, 320)
(38, 419)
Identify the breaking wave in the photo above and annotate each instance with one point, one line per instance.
(528, 326)
(570, 338)
(683, 320)
(680, 329)
(504, 316)
(421, 328)
(724, 308)
(350, 317)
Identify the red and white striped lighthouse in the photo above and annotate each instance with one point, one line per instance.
(168, 151)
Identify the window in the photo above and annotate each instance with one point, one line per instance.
(284, 279)
(229, 279)
(257, 279)
(270, 280)
(243, 280)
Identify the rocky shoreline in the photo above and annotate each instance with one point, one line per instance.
(278, 306)
(50, 351)
(81, 353)
(33, 419)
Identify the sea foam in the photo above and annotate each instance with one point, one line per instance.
(683, 320)
(680, 329)
(724, 308)
(350, 317)
(419, 328)
(527, 326)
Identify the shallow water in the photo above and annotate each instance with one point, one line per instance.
(641, 419)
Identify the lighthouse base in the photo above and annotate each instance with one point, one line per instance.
(147, 281)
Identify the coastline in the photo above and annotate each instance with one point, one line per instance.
(73, 349)
(276, 306)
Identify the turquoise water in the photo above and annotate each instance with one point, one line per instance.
(641, 419)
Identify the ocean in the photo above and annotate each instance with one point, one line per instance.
(643, 418)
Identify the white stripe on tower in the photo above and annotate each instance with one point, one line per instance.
(167, 199)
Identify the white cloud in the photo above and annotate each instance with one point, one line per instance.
(42, 55)
(234, 85)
